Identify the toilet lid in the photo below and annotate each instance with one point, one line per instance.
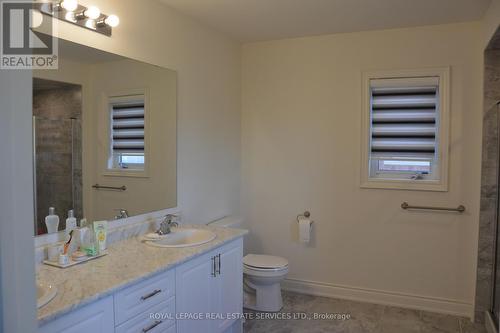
(263, 261)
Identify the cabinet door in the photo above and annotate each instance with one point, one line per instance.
(96, 318)
(229, 288)
(195, 295)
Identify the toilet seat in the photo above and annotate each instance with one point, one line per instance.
(256, 269)
(259, 262)
(265, 273)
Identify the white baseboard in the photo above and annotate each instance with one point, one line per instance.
(488, 322)
(440, 305)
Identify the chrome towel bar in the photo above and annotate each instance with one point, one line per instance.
(101, 187)
(459, 209)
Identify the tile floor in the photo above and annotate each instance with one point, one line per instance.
(364, 318)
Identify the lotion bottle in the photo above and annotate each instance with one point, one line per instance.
(100, 232)
(52, 221)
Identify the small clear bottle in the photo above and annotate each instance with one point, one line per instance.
(89, 242)
(70, 222)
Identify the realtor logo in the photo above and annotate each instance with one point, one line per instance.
(27, 40)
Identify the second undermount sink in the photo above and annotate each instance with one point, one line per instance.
(183, 237)
(45, 292)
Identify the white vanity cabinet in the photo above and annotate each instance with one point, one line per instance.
(204, 294)
(132, 309)
(211, 288)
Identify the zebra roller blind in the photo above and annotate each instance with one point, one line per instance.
(128, 126)
(404, 118)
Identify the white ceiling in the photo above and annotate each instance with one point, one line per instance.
(256, 20)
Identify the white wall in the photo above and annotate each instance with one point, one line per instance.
(490, 22)
(17, 267)
(208, 120)
(301, 150)
(1, 298)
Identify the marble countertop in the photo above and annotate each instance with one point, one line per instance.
(128, 262)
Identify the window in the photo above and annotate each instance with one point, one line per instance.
(406, 130)
(127, 133)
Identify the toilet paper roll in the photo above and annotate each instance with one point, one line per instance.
(304, 230)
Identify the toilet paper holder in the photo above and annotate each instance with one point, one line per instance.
(306, 214)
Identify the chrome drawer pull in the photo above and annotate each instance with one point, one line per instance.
(153, 325)
(219, 264)
(145, 297)
(214, 271)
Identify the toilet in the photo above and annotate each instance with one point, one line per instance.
(262, 275)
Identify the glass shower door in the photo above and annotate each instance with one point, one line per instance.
(53, 156)
(495, 310)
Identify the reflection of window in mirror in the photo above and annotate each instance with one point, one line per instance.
(127, 133)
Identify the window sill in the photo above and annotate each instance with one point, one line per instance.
(126, 173)
(399, 184)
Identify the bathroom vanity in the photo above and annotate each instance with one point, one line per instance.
(142, 288)
(104, 133)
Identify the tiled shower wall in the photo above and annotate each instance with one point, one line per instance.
(58, 153)
(489, 182)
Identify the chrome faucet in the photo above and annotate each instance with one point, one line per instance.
(167, 224)
(122, 213)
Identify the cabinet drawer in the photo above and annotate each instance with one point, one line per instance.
(163, 318)
(143, 295)
(96, 317)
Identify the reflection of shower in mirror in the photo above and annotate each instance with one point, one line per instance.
(57, 181)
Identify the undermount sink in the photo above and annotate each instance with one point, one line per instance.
(45, 292)
(183, 237)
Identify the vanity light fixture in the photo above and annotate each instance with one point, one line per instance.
(86, 17)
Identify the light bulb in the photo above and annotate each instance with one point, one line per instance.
(36, 18)
(112, 20)
(69, 5)
(90, 24)
(70, 16)
(92, 12)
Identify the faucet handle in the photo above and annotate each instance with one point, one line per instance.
(170, 217)
(123, 213)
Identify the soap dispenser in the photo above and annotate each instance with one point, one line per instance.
(70, 222)
(52, 221)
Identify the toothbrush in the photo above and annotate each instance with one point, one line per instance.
(66, 246)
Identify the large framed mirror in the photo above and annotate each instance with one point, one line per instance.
(104, 137)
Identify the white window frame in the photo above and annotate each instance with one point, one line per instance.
(127, 172)
(393, 180)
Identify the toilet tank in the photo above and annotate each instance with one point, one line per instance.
(227, 222)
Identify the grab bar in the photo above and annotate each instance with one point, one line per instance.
(459, 209)
(99, 187)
